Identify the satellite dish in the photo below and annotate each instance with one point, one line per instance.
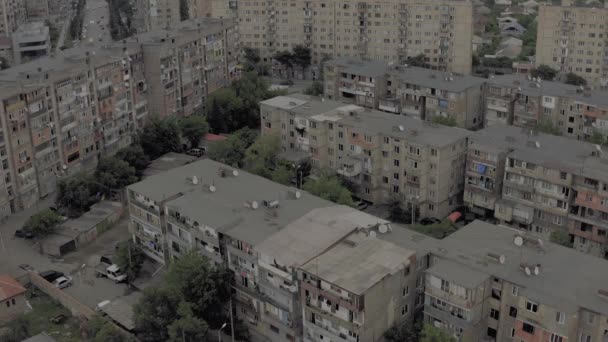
(541, 244)
(64, 166)
(536, 270)
(293, 289)
(518, 241)
(235, 173)
(502, 259)
(598, 148)
(254, 205)
(401, 128)
(194, 180)
(527, 270)
(298, 194)
(537, 144)
(382, 229)
(372, 234)
(212, 188)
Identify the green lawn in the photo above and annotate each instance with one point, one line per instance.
(45, 308)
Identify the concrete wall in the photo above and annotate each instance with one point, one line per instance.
(75, 307)
(12, 307)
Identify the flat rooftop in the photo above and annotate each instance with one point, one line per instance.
(167, 162)
(359, 262)
(357, 66)
(314, 232)
(228, 209)
(369, 120)
(567, 279)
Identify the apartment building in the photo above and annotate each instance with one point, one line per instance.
(571, 38)
(387, 31)
(212, 8)
(185, 65)
(31, 41)
(356, 290)
(541, 183)
(490, 283)
(154, 15)
(417, 92)
(386, 156)
(12, 14)
(264, 232)
(574, 112)
(37, 9)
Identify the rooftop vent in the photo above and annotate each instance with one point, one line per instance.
(294, 193)
(350, 243)
(225, 172)
(292, 103)
(253, 205)
(271, 204)
(499, 258)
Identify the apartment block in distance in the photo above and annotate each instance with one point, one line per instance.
(186, 64)
(387, 156)
(154, 15)
(571, 38)
(12, 14)
(417, 92)
(387, 31)
(264, 232)
(540, 183)
(490, 283)
(574, 112)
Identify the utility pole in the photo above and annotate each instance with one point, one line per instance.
(231, 320)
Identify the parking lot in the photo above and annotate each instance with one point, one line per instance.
(86, 287)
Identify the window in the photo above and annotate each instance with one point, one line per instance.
(406, 291)
(445, 285)
(395, 188)
(396, 149)
(585, 338)
(494, 314)
(560, 317)
(396, 162)
(515, 290)
(531, 306)
(513, 311)
(512, 332)
(396, 175)
(590, 318)
(491, 332)
(404, 310)
(556, 338)
(274, 329)
(529, 328)
(385, 180)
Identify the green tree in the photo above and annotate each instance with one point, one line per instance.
(113, 173)
(281, 174)
(445, 120)
(109, 333)
(154, 313)
(431, 334)
(301, 57)
(43, 223)
(183, 10)
(597, 138)
(160, 136)
(402, 332)
(252, 55)
(315, 89)
(130, 258)
(330, 188)
(417, 61)
(241, 331)
(561, 238)
(193, 128)
(206, 287)
(545, 72)
(187, 328)
(135, 156)
(396, 213)
(574, 79)
(232, 150)
(76, 194)
(17, 330)
(286, 59)
(4, 63)
(546, 126)
(261, 157)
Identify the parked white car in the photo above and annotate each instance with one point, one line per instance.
(62, 282)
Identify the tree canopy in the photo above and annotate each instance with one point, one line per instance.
(417, 61)
(261, 156)
(561, 238)
(193, 128)
(545, 72)
(43, 223)
(232, 150)
(574, 79)
(445, 120)
(546, 126)
(113, 173)
(135, 156)
(431, 334)
(315, 89)
(76, 193)
(160, 136)
(130, 258)
(329, 187)
(155, 312)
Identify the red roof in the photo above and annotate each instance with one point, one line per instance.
(214, 137)
(454, 216)
(9, 287)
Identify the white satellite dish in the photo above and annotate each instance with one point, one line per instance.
(382, 229)
(212, 188)
(518, 241)
(293, 289)
(372, 234)
(536, 270)
(235, 173)
(298, 194)
(527, 270)
(254, 205)
(502, 259)
(401, 128)
(194, 180)
(64, 166)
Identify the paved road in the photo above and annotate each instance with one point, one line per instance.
(95, 26)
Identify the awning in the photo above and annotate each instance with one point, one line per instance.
(454, 216)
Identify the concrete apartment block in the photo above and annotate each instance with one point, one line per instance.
(268, 235)
(31, 41)
(412, 91)
(540, 183)
(37, 9)
(571, 38)
(12, 14)
(60, 113)
(153, 15)
(574, 112)
(386, 31)
(386, 156)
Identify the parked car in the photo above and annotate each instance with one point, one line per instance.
(196, 152)
(63, 282)
(112, 272)
(51, 275)
(101, 304)
(24, 234)
(361, 205)
(429, 220)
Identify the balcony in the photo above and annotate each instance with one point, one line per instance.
(352, 167)
(351, 91)
(332, 334)
(241, 254)
(314, 291)
(447, 317)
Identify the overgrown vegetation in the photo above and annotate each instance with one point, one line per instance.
(574, 79)
(416, 331)
(545, 72)
(43, 223)
(315, 89)
(329, 187)
(439, 230)
(561, 238)
(75, 29)
(121, 16)
(300, 57)
(445, 120)
(548, 127)
(130, 258)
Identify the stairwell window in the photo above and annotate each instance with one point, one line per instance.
(560, 317)
(531, 306)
